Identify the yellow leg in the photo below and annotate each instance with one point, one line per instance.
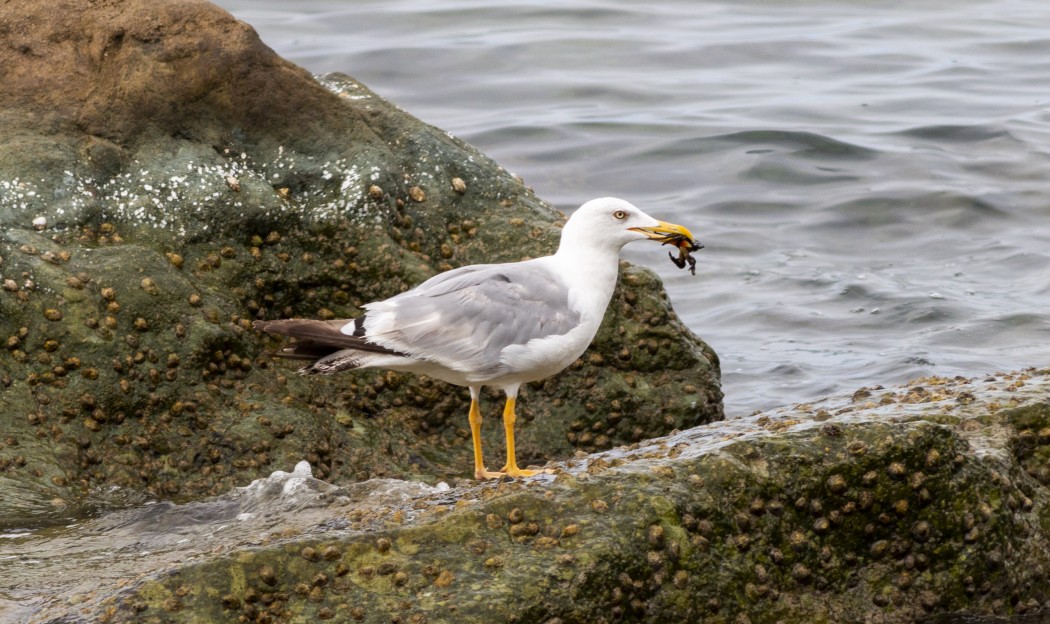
(511, 469)
(475, 433)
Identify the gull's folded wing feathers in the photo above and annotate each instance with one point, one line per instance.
(465, 319)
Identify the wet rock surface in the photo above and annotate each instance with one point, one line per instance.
(165, 179)
(920, 503)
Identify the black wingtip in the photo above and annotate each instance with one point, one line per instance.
(359, 325)
(320, 338)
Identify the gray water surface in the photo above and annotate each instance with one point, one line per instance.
(871, 180)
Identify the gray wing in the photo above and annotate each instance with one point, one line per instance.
(464, 319)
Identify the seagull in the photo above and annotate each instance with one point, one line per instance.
(497, 325)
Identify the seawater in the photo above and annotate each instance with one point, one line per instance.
(871, 180)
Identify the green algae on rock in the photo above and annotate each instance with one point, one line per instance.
(174, 179)
(914, 505)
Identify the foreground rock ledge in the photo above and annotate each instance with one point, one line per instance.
(165, 179)
(893, 505)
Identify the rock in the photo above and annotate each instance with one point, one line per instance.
(188, 181)
(726, 522)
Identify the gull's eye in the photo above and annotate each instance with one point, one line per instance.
(620, 215)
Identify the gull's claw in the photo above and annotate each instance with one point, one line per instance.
(486, 474)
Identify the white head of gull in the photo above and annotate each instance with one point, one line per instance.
(498, 325)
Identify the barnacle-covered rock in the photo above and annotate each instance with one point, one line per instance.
(171, 180)
(894, 512)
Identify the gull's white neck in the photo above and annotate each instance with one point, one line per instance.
(590, 266)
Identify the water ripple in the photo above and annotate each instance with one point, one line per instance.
(870, 181)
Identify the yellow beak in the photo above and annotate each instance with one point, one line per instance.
(664, 231)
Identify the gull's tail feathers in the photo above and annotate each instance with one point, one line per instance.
(324, 344)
